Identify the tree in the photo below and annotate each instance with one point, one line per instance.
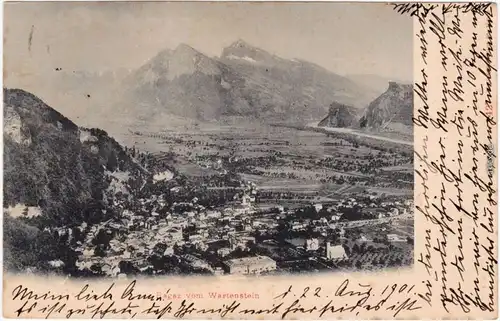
(102, 238)
(100, 251)
(96, 269)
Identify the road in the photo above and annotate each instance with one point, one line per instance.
(377, 221)
(361, 134)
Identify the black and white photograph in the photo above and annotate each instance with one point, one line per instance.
(169, 138)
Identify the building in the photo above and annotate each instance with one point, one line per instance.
(169, 250)
(223, 251)
(196, 262)
(250, 265)
(213, 214)
(335, 252)
(318, 207)
(363, 238)
(335, 217)
(195, 238)
(218, 271)
(202, 246)
(175, 234)
(395, 238)
(312, 244)
(238, 239)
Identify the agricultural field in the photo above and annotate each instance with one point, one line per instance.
(316, 165)
(369, 247)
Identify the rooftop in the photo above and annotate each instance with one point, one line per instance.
(249, 260)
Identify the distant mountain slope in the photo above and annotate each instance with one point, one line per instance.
(245, 81)
(291, 88)
(52, 164)
(391, 111)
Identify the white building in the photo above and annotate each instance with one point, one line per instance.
(175, 234)
(335, 217)
(250, 265)
(312, 244)
(318, 207)
(213, 214)
(223, 251)
(395, 238)
(202, 246)
(335, 252)
(56, 263)
(195, 238)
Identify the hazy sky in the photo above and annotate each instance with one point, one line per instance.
(344, 38)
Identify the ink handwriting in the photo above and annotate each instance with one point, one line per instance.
(455, 171)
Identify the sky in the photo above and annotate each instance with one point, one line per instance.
(362, 38)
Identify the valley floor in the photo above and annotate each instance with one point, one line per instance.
(285, 159)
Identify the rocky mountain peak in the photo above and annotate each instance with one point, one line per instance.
(244, 52)
(396, 86)
(168, 65)
(339, 115)
(184, 49)
(391, 111)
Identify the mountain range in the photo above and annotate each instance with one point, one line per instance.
(245, 81)
(184, 86)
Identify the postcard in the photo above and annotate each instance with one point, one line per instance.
(250, 160)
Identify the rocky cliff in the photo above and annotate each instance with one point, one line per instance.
(340, 115)
(391, 111)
